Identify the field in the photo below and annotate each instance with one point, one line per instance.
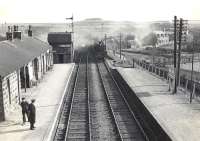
(85, 32)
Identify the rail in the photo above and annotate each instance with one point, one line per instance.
(127, 125)
(57, 130)
(134, 116)
(89, 111)
(152, 129)
(108, 100)
(72, 99)
(78, 115)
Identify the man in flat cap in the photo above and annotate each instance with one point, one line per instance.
(32, 114)
(24, 105)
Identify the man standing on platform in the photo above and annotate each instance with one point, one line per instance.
(24, 106)
(32, 114)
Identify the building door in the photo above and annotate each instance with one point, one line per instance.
(27, 77)
(24, 77)
(36, 68)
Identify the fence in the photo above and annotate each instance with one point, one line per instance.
(163, 73)
(186, 84)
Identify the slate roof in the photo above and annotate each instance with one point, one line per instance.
(56, 38)
(16, 53)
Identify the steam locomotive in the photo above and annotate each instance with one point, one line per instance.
(100, 50)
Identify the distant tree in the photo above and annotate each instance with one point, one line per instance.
(193, 41)
(150, 39)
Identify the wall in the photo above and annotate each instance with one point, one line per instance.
(49, 59)
(44, 64)
(10, 85)
(62, 54)
(39, 67)
(31, 71)
(10, 101)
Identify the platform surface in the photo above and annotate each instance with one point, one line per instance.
(179, 118)
(48, 94)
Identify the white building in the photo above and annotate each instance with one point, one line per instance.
(163, 38)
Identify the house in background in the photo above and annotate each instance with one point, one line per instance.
(23, 62)
(163, 38)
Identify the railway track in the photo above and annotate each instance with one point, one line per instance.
(95, 109)
(73, 121)
(124, 118)
(78, 123)
(102, 123)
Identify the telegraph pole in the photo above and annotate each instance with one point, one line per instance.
(120, 44)
(191, 93)
(175, 48)
(179, 51)
(105, 41)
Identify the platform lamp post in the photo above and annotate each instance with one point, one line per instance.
(72, 34)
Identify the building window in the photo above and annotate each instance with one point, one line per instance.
(9, 94)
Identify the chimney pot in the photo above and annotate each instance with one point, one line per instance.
(9, 35)
(16, 34)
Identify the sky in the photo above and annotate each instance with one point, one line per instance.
(55, 11)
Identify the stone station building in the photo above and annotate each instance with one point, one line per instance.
(23, 62)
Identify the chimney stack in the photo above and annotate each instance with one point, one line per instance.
(9, 35)
(15, 28)
(17, 34)
(29, 31)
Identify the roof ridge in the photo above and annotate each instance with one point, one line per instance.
(41, 40)
(14, 54)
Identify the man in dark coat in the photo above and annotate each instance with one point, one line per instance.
(32, 114)
(24, 105)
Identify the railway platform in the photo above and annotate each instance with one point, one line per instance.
(48, 94)
(173, 112)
